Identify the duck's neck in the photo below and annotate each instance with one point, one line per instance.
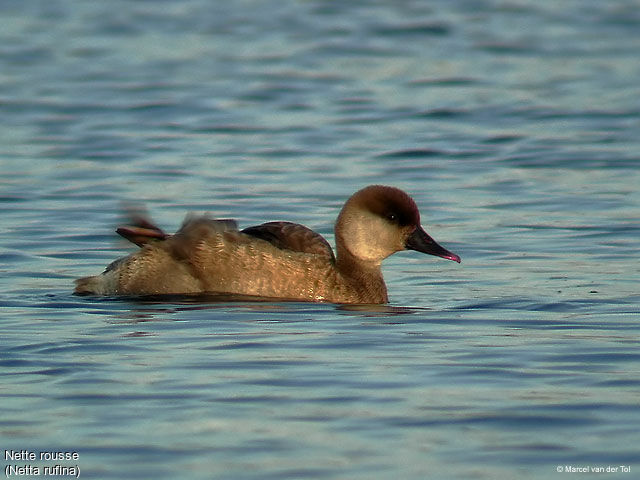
(365, 278)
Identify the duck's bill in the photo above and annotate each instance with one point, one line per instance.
(420, 241)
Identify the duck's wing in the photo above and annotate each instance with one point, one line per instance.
(283, 235)
(193, 223)
(194, 231)
(141, 229)
(292, 236)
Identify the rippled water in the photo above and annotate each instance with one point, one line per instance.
(514, 125)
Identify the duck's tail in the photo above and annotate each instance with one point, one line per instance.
(104, 284)
(87, 286)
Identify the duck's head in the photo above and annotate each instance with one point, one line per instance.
(378, 221)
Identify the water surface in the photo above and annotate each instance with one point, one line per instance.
(514, 126)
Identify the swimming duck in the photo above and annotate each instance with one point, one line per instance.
(279, 260)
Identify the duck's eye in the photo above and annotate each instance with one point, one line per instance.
(392, 217)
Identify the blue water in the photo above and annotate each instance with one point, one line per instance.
(514, 125)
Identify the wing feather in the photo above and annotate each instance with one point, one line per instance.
(292, 236)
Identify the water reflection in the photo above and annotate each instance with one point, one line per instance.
(145, 308)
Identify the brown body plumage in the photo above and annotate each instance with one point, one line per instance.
(279, 260)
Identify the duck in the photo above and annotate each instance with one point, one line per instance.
(275, 260)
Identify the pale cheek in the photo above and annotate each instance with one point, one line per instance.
(383, 246)
(373, 252)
